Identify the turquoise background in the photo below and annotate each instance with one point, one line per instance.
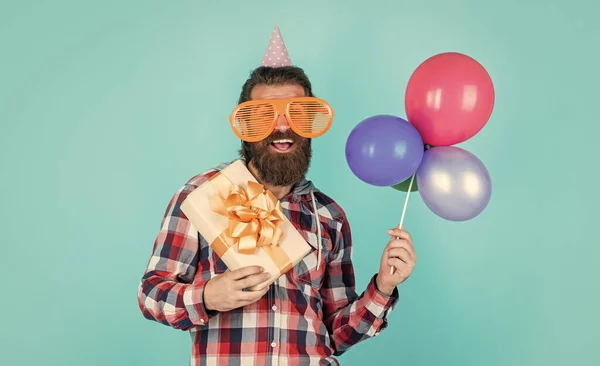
(107, 108)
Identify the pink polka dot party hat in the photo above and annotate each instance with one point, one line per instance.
(276, 54)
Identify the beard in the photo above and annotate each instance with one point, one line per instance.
(279, 169)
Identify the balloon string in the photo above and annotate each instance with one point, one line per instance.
(404, 209)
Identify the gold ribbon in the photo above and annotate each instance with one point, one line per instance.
(254, 216)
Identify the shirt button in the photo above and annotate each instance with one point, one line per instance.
(274, 307)
(201, 320)
(273, 344)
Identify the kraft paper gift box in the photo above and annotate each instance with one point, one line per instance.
(244, 224)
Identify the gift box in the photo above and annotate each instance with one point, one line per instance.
(244, 224)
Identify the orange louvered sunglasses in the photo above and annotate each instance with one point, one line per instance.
(255, 120)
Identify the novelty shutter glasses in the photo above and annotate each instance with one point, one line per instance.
(255, 120)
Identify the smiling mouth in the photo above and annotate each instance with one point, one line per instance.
(283, 145)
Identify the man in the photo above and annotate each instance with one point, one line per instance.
(310, 314)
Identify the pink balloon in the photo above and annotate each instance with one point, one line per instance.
(449, 98)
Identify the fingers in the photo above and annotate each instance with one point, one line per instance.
(251, 280)
(245, 272)
(400, 253)
(401, 234)
(404, 245)
(248, 297)
(400, 243)
(400, 266)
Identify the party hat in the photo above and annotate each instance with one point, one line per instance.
(276, 54)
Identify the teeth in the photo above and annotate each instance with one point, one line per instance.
(283, 141)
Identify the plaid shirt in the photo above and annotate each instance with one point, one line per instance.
(308, 316)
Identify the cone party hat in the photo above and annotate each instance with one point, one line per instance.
(276, 54)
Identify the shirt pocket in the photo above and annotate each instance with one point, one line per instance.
(310, 271)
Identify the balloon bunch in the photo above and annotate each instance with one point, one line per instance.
(449, 99)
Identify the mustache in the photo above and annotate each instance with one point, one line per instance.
(278, 135)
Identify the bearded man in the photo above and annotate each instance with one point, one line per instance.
(312, 313)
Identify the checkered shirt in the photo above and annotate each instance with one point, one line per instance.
(309, 315)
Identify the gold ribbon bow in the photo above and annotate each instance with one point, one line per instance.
(254, 215)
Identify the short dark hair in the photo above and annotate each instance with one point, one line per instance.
(275, 76)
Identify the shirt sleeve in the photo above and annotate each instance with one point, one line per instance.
(172, 288)
(351, 318)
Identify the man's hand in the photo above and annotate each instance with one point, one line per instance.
(400, 254)
(226, 292)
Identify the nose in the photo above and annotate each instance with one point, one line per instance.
(282, 123)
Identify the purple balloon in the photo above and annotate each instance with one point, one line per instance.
(454, 183)
(384, 150)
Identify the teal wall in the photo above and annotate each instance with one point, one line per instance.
(108, 107)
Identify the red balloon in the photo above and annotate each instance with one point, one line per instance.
(449, 98)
